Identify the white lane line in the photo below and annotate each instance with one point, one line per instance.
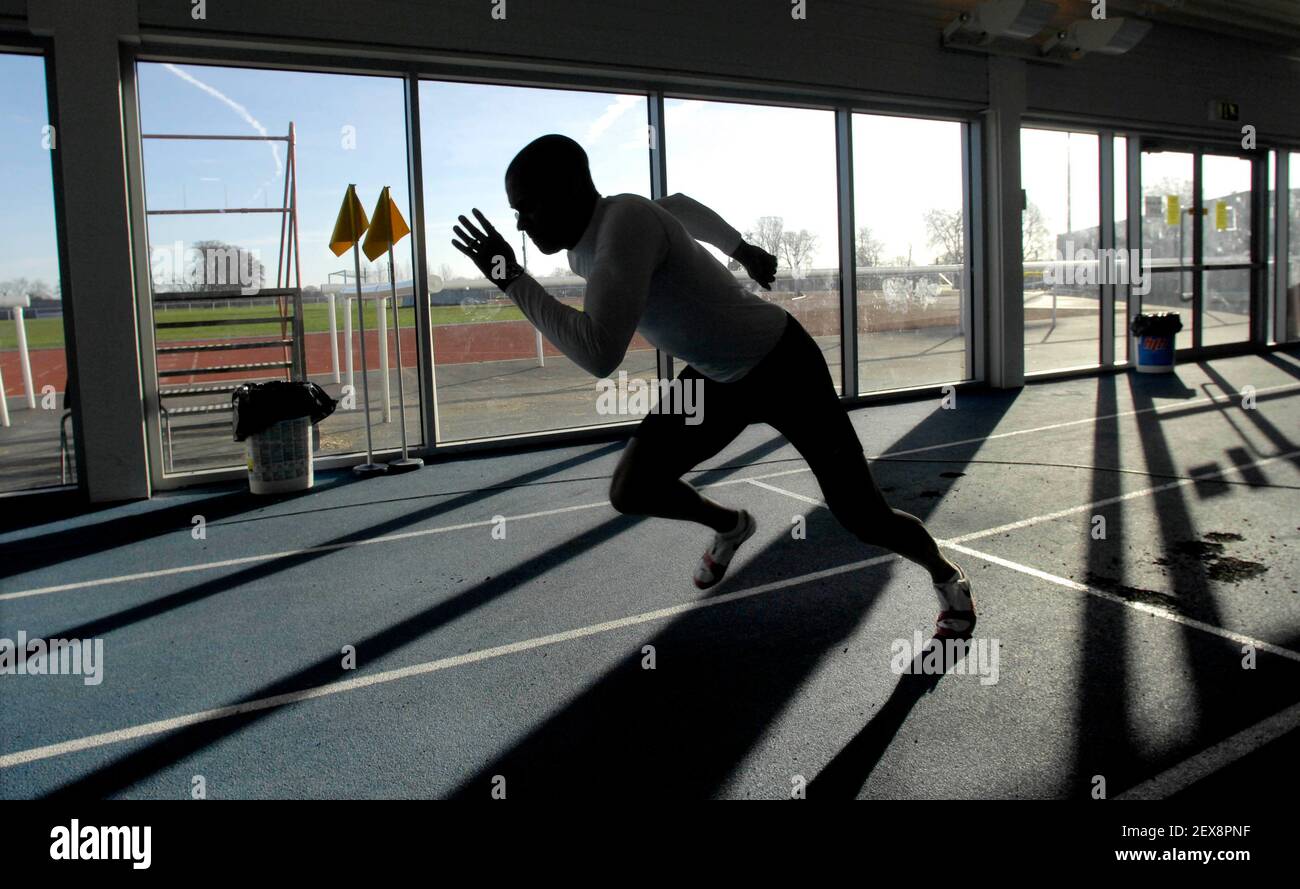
(1134, 412)
(166, 725)
(388, 538)
(1153, 610)
(813, 500)
(330, 547)
(1083, 588)
(1212, 759)
(1131, 495)
(118, 736)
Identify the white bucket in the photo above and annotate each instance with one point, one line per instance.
(279, 458)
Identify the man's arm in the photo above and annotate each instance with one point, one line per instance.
(702, 223)
(705, 225)
(632, 243)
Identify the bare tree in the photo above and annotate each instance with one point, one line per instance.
(945, 230)
(797, 248)
(1036, 241)
(767, 233)
(869, 248)
(216, 265)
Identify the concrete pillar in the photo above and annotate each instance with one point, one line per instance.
(98, 276)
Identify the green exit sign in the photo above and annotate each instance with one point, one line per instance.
(1220, 110)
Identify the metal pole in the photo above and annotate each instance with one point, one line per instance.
(382, 311)
(334, 339)
(406, 463)
(370, 467)
(24, 358)
(347, 340)
(4, 402)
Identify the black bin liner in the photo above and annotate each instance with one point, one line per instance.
(259, 406)
(1157, 324)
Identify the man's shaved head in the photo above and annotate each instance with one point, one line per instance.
(549, 186)
(552, 159)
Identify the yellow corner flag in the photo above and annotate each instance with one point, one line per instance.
(387, 227)
(351, 223)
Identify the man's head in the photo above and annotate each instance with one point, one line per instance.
(549, 186)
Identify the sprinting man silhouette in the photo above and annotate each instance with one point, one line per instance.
(647, 274)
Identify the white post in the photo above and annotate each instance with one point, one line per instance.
(23, 358)
(541, 358)
(4, 403)
(347, 340)
(383, 358)
(334, 339)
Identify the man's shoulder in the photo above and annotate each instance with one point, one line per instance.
(632, 211)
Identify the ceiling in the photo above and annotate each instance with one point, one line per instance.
(1274, 22)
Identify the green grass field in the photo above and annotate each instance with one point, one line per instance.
(47, 333)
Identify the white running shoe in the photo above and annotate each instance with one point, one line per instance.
(718, 556)
(957, 608)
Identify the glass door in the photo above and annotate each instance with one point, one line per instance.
(1198, 228)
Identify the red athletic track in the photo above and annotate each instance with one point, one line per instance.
(452, 344)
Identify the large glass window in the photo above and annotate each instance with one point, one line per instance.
(1225, 232)
(770, 172)
(495, 373)
(1166, 232)
(912, 282)
(1060, 238)
(36, 440)
(1122, 338)
(1293, 249)
(213, 327)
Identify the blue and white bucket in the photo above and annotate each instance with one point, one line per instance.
(1155, 353)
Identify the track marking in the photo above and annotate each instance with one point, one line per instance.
(388, 538)
(1153, 610)
(1212, 759)
(1131, 495)
(118, 736)
(813, 500)
(158, 727)
(1134, 412)
(955, 544)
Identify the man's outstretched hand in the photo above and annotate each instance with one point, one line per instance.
(489, 251)
(758, 263)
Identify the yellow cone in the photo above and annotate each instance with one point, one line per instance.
(387, 227)
(351, 223)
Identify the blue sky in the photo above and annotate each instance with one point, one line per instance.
(745, 161)
(27, 240)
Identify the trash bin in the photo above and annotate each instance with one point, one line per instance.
(276, 419)
(1153, 335)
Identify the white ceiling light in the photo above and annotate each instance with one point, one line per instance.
(1108, 36)
(1017, 19)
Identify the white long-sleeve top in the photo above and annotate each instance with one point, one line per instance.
(646, 273)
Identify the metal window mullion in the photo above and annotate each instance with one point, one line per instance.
(658, 188)
(1106, 231)
(1133, 179)
(139, 223)
(848, 253)
(428, 388)
(1198, 245)
(1281, 236)
(973, 319)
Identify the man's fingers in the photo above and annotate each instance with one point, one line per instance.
(462, 248)
(478, 235)
(464, 237)
(487, 226)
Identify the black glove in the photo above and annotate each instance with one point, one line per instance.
(492, 253)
